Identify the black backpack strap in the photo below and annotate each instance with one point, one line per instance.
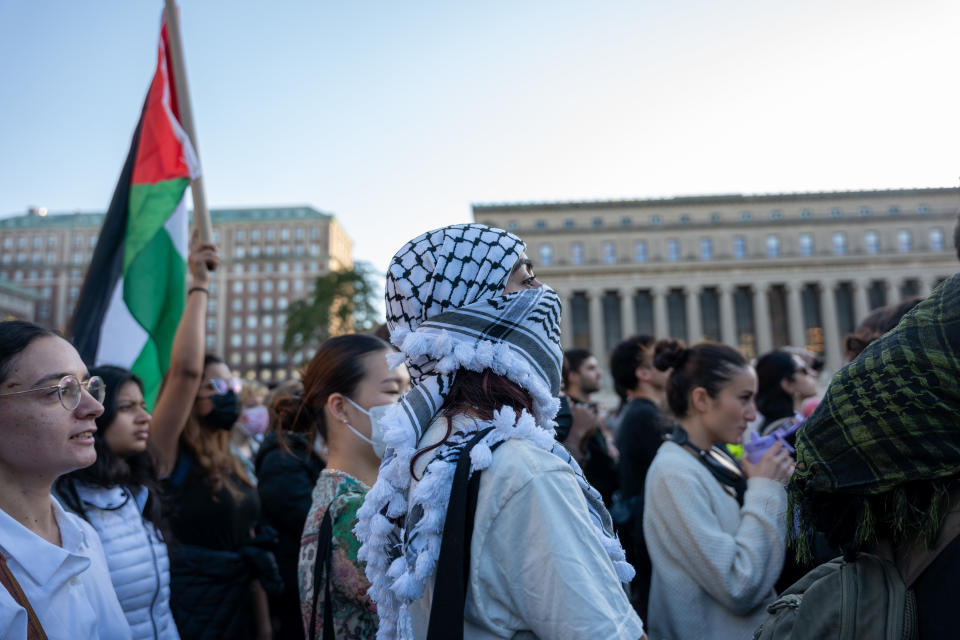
(321, 566)
(453, 564)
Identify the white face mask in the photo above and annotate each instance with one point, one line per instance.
(376, 430)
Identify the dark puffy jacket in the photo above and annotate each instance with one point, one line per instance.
(210, 589)
(285, 481)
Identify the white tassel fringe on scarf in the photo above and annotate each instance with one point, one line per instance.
(446, 312)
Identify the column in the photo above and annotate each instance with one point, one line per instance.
(628, 320)
(795, 314)
(923, 285)
(596, 323)
(728, 321)
(861, 304)
(761, 310)
(222, 328)
(831, 331)
(694, 324)
(59, 319)
(661, 324)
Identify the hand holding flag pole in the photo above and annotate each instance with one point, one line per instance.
(201, 215)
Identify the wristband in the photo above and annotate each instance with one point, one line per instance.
(192, 289)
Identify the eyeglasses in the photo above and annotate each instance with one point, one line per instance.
(221, 386)
(69, 390)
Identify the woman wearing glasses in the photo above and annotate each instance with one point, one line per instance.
(53, 575)
(118, 494)
(716, 534)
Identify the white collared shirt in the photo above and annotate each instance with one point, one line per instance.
(68, 587)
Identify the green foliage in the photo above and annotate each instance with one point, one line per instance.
(343, 301)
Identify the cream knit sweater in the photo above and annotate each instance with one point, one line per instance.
(714, 562)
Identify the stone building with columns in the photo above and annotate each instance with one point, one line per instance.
(754, 271)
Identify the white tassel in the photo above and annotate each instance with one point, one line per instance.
(480, 456)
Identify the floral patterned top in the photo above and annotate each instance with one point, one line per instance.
(354, 613)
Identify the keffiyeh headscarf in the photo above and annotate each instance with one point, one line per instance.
(446, 312)
(883, 447)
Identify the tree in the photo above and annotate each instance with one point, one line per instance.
(343, 301)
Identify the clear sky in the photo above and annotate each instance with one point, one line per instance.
(396, 116)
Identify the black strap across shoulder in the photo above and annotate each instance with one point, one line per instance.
(322, 566)
(453, 564)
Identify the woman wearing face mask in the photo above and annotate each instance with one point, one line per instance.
(247, 433)
(54, 578)
(480, 524)
(219, 568)
(346, 379)
(119, 494)
(715, 534)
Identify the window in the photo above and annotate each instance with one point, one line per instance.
(211, 342)
(266, 339)
(236, 322)
(238, 268)
(282, 285)
(706, 249)
(314, 233)
(511, 224)
(864, 211)
(773, 246)
(806, 244)
(37, 242)
(267, 322)
(255, 235)
(298, 285)
(540, 224)
(236, 304)
(656, 220)
(805, 213)
(266, 357)
(626, 221)
(714, 217)
(240, 235)
(251, 339)
(673, 250)
(211, 305)
(936, 240)
(684, 219)
(270, 234)
(893, 210)
(871, 242)
(251, 321)
(8, 242)
(236, 340)
(252, 286)
(546, 254)
(746, 215)
(739, 247)
(281, 303)
(283, 267)
(569, 223)
(776, 214)
(267, 304)
(299, 233)
(234, 359)
(576, 253)
(839, 243)
(609, 252)
(212, 288)
(640, 251)
(238, 286)
(904, 240)
(252, 304)
(92, 241)
(267, 286)
(211, 324)
(597, 222)
(835, 212)
(923, 209)
(284, 233)
(254, 251)
(77, 242)
(252, 268)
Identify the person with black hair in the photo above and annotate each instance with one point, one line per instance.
(119, 494)
(591, 442)
(346, 381)
(715, 531)
(641, 428)
(54, 580)
(784, 381)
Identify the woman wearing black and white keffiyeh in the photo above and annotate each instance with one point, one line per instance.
(481, 338)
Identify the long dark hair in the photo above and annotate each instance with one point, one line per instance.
(111, 470)
(15, 336)
(708, 364)
(479, 395)
(772, 369)
(336, 367)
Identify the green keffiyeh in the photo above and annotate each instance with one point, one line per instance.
(882, 451)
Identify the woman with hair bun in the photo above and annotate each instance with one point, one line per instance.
(715, 531)
(346, 380)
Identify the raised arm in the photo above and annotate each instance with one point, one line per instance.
(186, 360)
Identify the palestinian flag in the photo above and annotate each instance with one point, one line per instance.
(134, 291)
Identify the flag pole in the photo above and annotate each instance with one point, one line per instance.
(201, 215)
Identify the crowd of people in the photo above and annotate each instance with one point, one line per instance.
(458, 475)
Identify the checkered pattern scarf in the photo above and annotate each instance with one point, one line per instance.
(446, 311)
(883, 447)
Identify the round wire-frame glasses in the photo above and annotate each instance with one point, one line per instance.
(69, 390)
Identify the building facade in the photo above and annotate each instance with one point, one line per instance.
(754, 271)
(270, 257)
